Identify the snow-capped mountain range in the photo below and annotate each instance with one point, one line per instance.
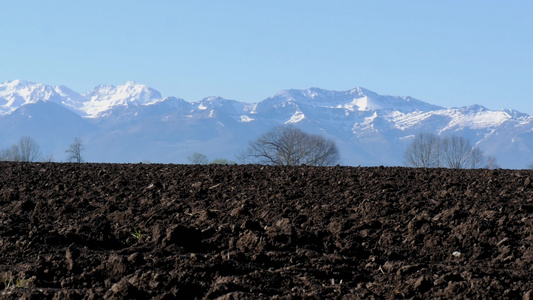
(134, 123)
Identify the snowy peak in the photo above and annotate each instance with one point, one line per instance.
(17, 84)
(104, 97)
(365, 100)
(357, 99)
(14, 94)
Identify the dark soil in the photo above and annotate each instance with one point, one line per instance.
(68, 231)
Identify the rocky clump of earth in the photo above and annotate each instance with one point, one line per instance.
(150, 231)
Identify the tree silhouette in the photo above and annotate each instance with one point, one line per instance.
(75, 150)
(287, 145)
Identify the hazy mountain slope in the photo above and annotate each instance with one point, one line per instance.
(51, 125)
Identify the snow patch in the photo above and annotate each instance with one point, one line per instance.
(245, 118)
(297, 117)
(365, 104)
(463, 118)
(105, 97)
(407, 137)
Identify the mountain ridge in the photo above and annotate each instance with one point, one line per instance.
(133, 122)
(137, 94)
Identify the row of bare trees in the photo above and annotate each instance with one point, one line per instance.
(28, 150)
(201, 159)
(431, 151)
(287, 145)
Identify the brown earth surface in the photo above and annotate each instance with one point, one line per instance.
(68, 231)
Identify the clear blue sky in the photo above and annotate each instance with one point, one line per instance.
(449, 53)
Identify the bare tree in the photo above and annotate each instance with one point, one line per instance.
(423, 152)
(5, 155)
(320, 151)
(476, 158)
(287, 145)
(456, 152)
(243, 157)
(75, 150)
(197, 159)
(26, 150)
(222, 161)
(10, 154)
(492, 164)
(49, 158)
(428, 151)
(29, 149)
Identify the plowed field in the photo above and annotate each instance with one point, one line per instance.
(145, 231)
